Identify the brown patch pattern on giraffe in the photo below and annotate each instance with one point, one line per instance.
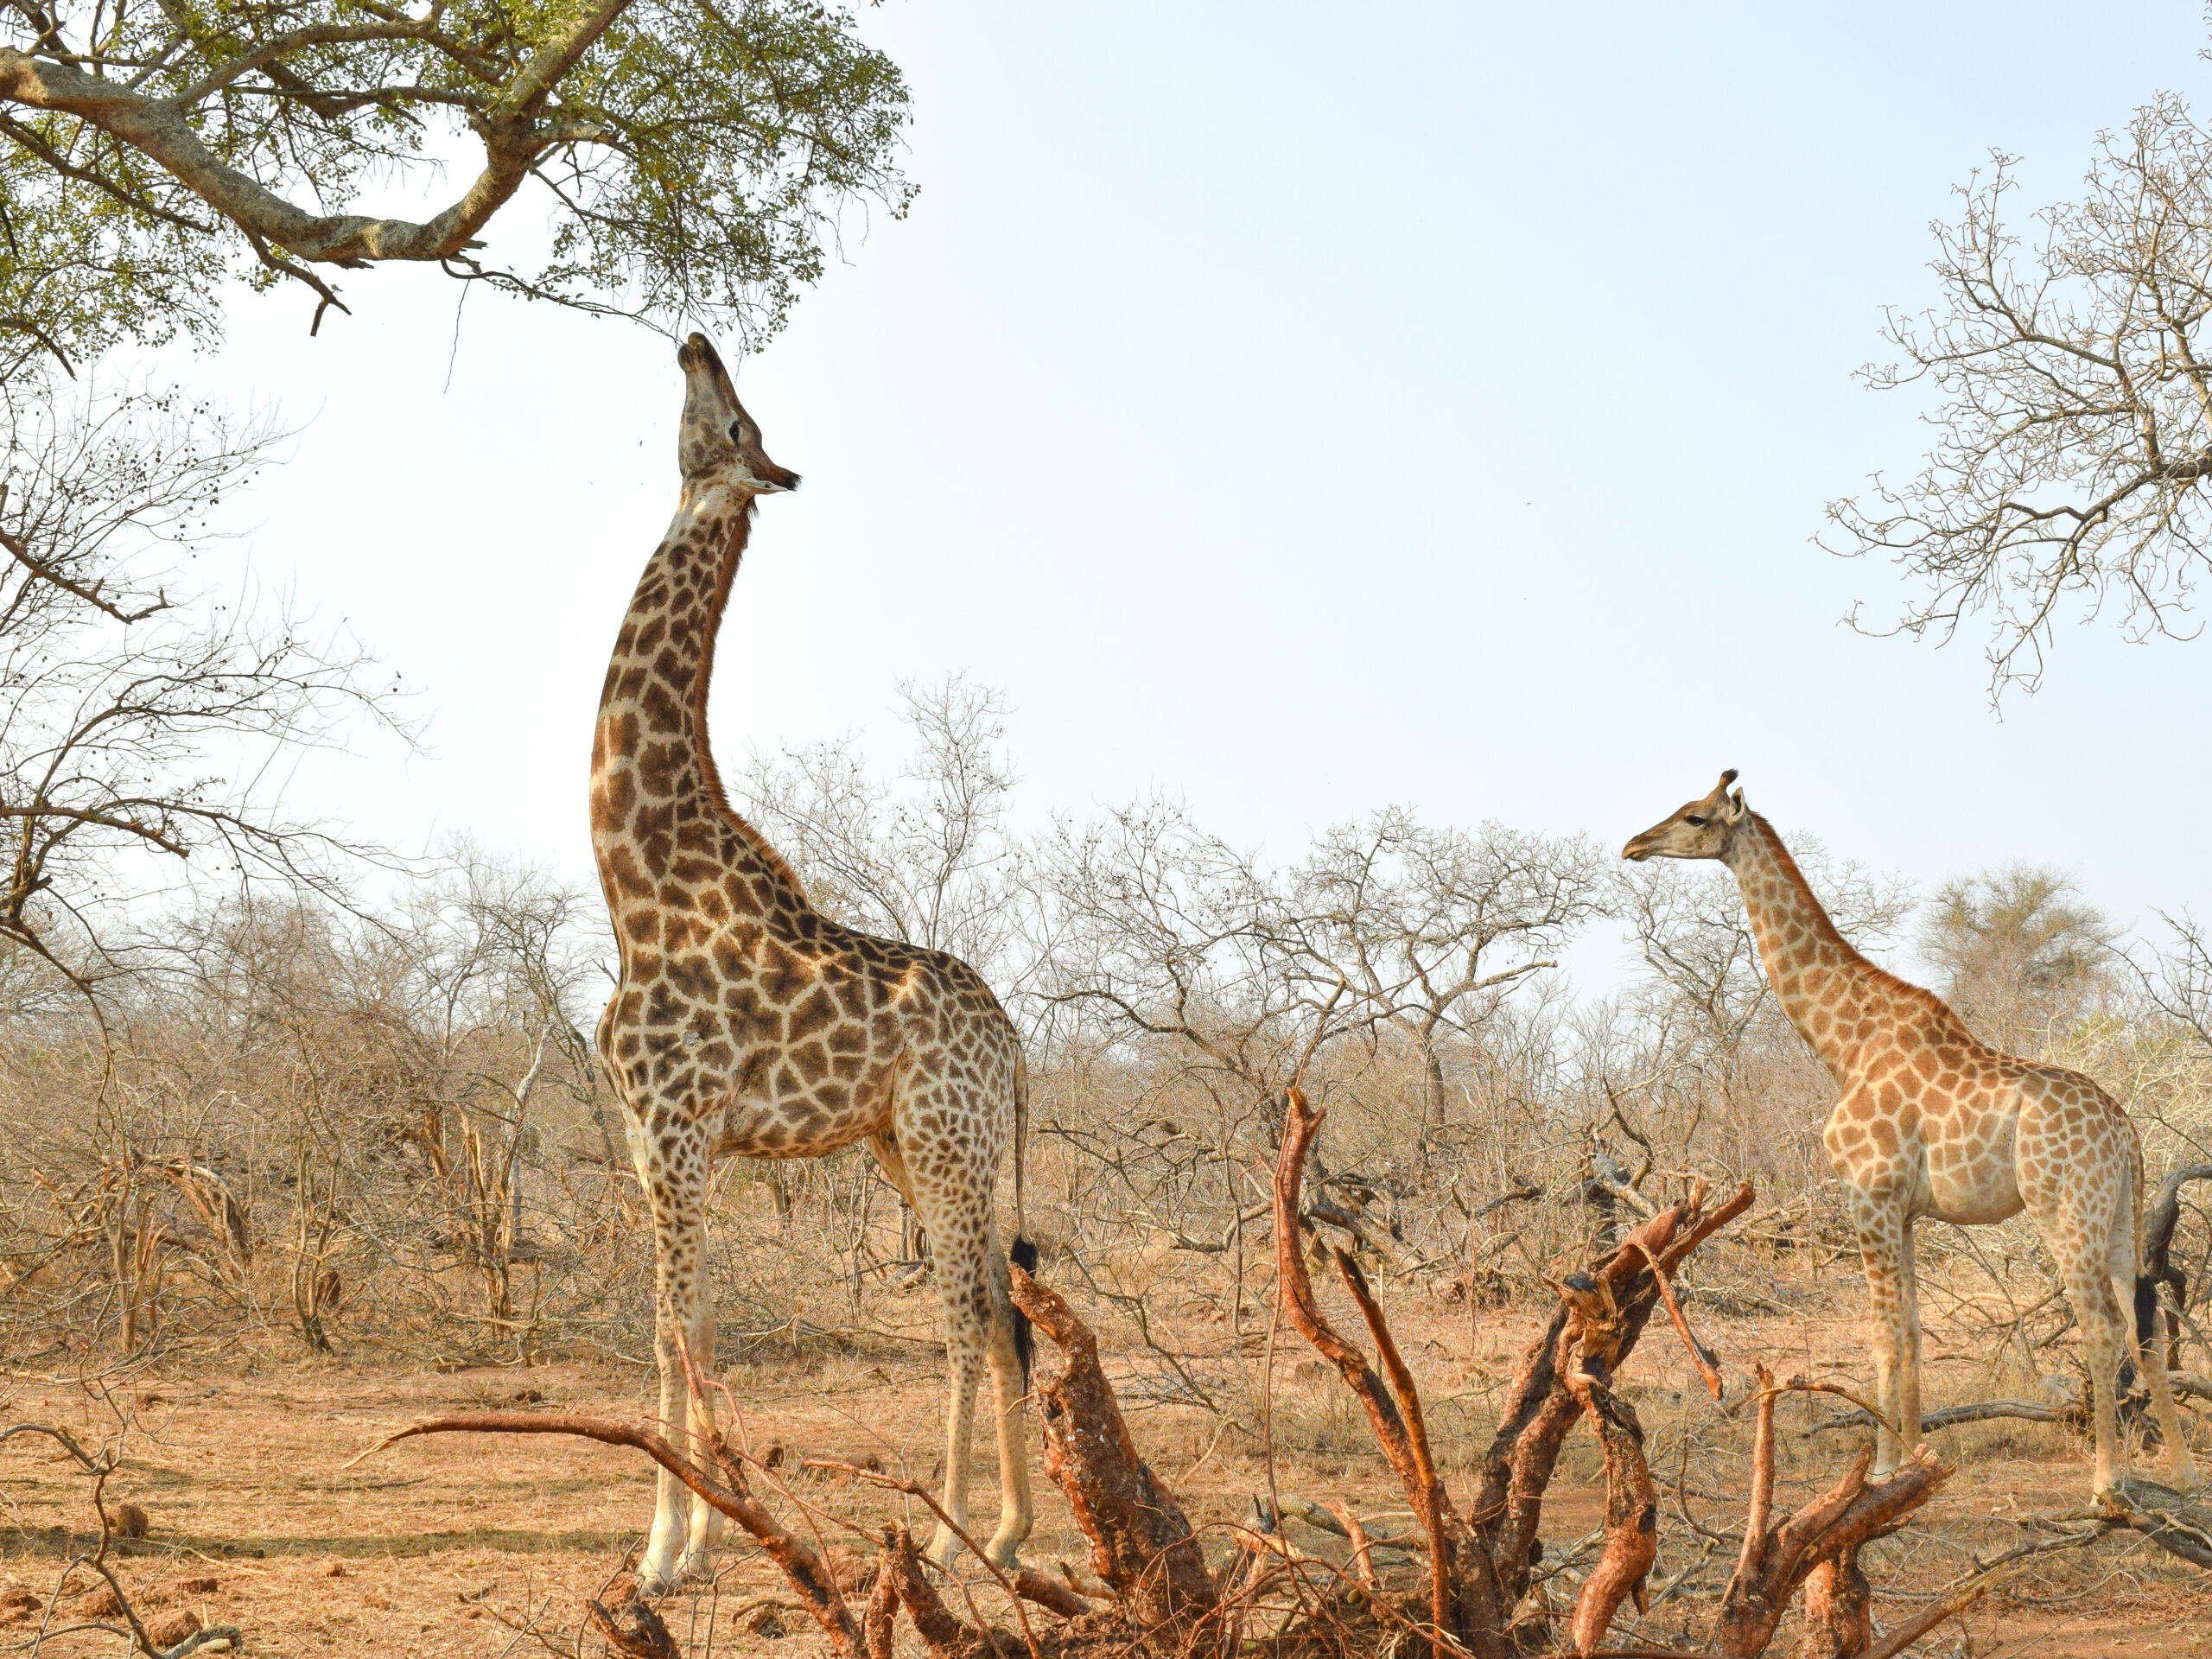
(1930, 1121)
(747, 1022)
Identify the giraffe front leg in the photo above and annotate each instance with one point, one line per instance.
(697, 1560)
(675, 1189)
(1882, 1249)
(1908, 1321)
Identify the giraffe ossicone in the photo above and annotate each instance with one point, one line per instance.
(1933, 1121)
(746, 1023)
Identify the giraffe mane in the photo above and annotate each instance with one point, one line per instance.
(1934, 1005)
(726, 573)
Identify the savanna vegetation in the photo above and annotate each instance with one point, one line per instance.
(272, 1098)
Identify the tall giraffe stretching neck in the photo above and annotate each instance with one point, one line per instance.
(658, 809)
(745, 1021)
(1931, 1121)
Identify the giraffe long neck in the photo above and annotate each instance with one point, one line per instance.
(664, 833)
(1826, 989)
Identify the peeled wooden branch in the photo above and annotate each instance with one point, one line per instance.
(945, 1635)
(634, 1631)
(915, 1489)
(1463, 1597)
(801, 1567)
(1683, 1328)
(1049, 1594)
(1778, 1560)
(879, 1637)
(1838, 1610)
(1540, 1409)
(1632, 1514)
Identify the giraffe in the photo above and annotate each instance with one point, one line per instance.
(1932, 1122)
(746, 1023)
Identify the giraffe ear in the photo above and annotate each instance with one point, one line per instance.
(1737, 801)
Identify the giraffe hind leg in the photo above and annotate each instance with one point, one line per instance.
(980, 1333)
(2149, 1347)
(2077, 1196)
(1011, 1354)
(2105, 1337)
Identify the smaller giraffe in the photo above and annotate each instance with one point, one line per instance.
(1933, 1121)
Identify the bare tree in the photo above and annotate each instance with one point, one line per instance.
(489, 950)
(923, 856)
(1434, 928)
(139, 722)
(2073, 404)
(1163, 933)
(2181, 986)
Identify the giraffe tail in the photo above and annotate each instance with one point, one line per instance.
(2147, 1331)
(1023, 1253)
(2150, 1346)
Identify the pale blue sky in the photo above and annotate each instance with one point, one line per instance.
(1299, 410)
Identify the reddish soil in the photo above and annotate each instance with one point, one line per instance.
(441, 1546)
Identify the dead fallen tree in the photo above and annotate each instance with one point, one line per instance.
(1157, 1596)
(1479, 1563)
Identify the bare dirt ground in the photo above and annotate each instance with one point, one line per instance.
(445, 1547)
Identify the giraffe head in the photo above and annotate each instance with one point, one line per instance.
(718, 442)
(1699, 830)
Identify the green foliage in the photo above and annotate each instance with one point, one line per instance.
(80, 268)
(694, 157)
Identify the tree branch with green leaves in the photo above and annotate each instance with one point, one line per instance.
(696, 156)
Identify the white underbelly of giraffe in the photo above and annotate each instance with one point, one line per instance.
(800, 1129)
(1972, 1194)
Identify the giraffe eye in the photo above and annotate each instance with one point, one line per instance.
(1694, 819)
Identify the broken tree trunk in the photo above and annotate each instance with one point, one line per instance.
(1542, 1409)
(2158, 1224)
(1777, 1560)
(1140, 1543)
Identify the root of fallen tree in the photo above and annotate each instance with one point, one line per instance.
(1474, 1597)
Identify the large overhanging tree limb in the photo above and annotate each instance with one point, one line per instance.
(2072, 410)
(695, 156)
(159, 128)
